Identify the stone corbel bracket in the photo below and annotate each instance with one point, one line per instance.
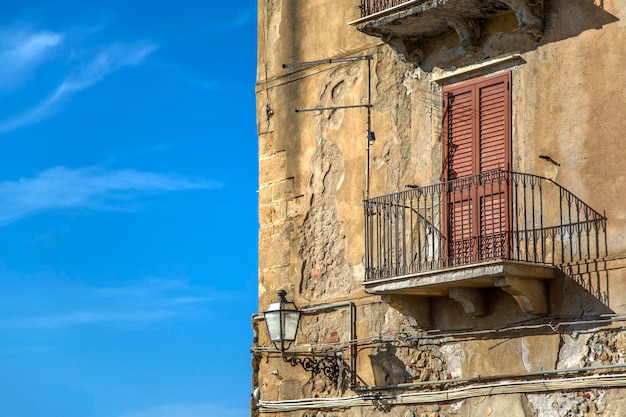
(529, 14)
(472, 300)
(468, 31)
(408, 49)
(530, 294)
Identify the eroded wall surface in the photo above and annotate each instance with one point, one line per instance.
(569, 103)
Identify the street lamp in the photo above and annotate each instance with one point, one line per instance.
(282, 319)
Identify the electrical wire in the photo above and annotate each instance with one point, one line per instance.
(440, 338)
(455, 394)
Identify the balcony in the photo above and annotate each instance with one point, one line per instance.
(496, 229)
(405, 24)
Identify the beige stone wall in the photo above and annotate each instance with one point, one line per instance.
(569, 102)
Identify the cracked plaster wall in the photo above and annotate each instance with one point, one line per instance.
(312, 179)
(325, 269)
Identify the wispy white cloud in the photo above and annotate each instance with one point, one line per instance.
(190, 410)
(106, 61)
(93, 187)
(21, 51)
(139, 303)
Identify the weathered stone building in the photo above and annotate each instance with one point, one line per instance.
(442, 193)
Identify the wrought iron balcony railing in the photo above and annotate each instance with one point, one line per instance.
(370, 7)
(494, 215)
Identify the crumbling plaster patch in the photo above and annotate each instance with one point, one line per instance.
(454, 356)
(568, 404)
(606, 348)
(573, 350)
(325, 268)
(592, 349)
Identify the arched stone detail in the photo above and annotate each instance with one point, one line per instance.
(468, 32)
(529, 16)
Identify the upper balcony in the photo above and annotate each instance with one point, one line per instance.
(406, 23)
(496, 229)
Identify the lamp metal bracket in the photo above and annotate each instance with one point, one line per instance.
(329, 365)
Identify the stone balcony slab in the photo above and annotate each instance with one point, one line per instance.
(525, 282)
(406, 25)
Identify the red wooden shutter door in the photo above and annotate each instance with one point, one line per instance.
(494, 153)
(476, 144)
(460, 132)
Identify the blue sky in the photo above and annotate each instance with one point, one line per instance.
(128, 218)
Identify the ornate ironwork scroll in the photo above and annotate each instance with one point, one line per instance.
(331, 366)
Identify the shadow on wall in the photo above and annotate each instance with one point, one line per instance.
(581, 291)
(563, 20)
(568, 302)
(387, 367)
(568, 19)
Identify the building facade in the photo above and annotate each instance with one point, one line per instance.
(442, 194)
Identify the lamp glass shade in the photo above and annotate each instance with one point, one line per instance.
(272, 319)
(282, 319)
(290, 325)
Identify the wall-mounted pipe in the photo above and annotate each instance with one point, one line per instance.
(352, 342)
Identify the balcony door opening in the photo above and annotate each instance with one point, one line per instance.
(476, 165)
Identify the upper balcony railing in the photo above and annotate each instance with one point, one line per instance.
(370, 7)
(496, 215)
